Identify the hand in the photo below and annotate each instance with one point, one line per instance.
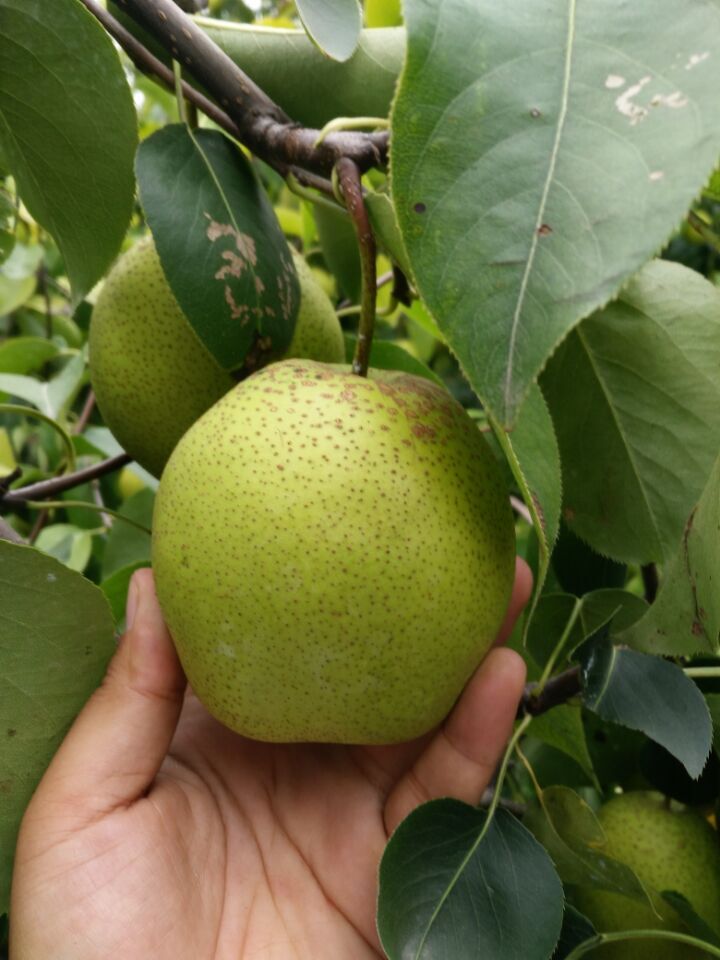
(158, 833)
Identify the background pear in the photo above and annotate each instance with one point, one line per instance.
(151, 374)
(333, 554)
(668, 850)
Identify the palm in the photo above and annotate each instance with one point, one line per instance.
(239, 849)
(223, 848)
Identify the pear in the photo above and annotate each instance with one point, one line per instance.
(151, 374)
(669, 849)
(333, 554)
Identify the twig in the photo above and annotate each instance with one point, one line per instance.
(48, 488)
(85, 413)
(349, 179)
(557, 690)
(8, 533)
(263, 126)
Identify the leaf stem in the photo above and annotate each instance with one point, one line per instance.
(349, 180)
(601, 938)
(95, 507)
(572, 619)
(702, 671)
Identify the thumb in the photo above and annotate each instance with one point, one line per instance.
(116, 746)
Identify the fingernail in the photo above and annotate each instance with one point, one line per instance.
(132, 602)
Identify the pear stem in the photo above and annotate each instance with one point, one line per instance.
(350, 183)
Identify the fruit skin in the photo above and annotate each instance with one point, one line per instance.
(151, 374)
(668, 850)
(348, 562)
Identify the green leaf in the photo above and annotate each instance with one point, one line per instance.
(649, 694)
(54, 397)
(69, 544)
(635, 397)
(547, 624)
(56, 637)
(388, 355)
(25, 355)
(333, 25)
(562, 728)
(68, 130)
(339, 245)
(443, 894)
(100, 440)
(576, 929)
(385, 227)
(696, 926)
(311, 88)
(579, 569)
(612, 610)
(541, 153)
(685, 617)
(574, 838)
(532, 452)
(115, 588)
(126, 545)
(219, 242)
(23, 261)
(15, 293)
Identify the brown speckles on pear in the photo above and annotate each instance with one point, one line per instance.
(351, 554)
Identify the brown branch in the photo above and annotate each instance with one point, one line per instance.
(263, 126)
(349, 178)
(85, 413)
(557, 690)
(45, 489)
(148, 63)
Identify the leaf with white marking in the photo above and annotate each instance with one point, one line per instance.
(542, 151)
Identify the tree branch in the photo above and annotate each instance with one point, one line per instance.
(148, 63)
(262, 125)
(49, 488)
(557, 690)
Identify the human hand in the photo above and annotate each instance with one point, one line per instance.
(158, 833)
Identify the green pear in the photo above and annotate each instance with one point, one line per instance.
(151, 374)
(333, 554)
(669, 849)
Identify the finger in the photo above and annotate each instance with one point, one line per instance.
(462, 756)
(521, 592)
(117, 743)
(384, 764)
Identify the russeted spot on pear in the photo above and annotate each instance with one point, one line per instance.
(669, 849)
(151, 374)
(333, 554)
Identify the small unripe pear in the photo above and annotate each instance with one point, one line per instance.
(151, 374)
(333, 554)
(668, 850)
